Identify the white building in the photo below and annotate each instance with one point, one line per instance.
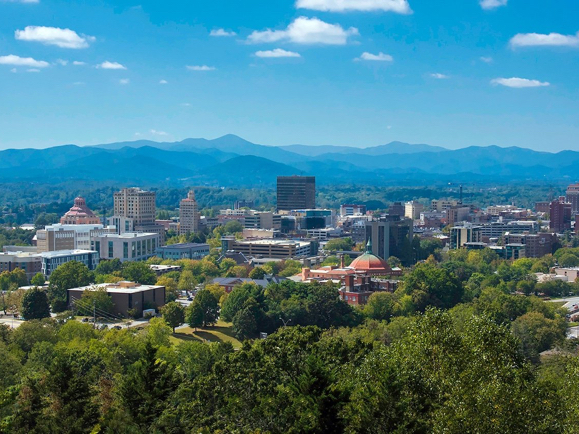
(413, 209)
(129, 246)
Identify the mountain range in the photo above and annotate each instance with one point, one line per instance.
(233, 161)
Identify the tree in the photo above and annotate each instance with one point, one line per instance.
(187, 282)
(38, 280)
(257, 273)
(234, 302)
(339, 244)
(194, 315)
(35, 304)
(233, 227)
(226, 264)
(205, 303)
(139, 272)
(245, 321)
(109, 267)
(380, 306)
(537, 333)
(171, 291)
(568, 260)
(72, 274)
(96, 298)
(173, 314)
(432, 286)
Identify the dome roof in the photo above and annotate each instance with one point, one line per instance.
(369, 262)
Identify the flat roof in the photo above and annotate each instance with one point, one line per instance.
(58, 253)
(274, 242)
(115, 289)
(128, 235)
(185, 246)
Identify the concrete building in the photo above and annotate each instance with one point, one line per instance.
(442, 204)
(243, 204)
(124, 295)
(79, 214)
(460, 235)
(52, 260)
(396, 209)
(456, 215)
(129, 246)
(536, 245)
(68, 236)
(542, 206)
(560, 215)
(499, 228)
(306, 219)
(573, 198)
(273, 248)
(349, 210)
(296, 192)
(183, 251)
(189, 214)
(135, 211)
(30, 262)
(412, 210)
(388, 235)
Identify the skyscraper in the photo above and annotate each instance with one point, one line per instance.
(560, 215)
(135, 211)
(296, 192)
(188, 214)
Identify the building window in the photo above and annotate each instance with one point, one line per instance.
(133, 250)
(125, 250)
(111, 249)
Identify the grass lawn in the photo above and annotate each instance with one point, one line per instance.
(220, 332)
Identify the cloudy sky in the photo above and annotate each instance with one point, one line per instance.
(452, 73)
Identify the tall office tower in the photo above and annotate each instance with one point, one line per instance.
(296, 192)
(389, 236)
(135, 211)
(573, 198)
(188, 214)
(560, 215)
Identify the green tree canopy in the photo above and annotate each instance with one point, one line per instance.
(35, 304)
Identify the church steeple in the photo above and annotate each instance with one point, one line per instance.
(369, 245)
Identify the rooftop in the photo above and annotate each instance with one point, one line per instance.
(58, 253)
(123, 287)
(128, 235)
(185, 246)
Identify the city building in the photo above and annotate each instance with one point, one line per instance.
(189, 214)
(397, 209)
(125, 296)
(542, 206)
(457, 214)
(500, 227)
(272, 248)
(30, 262)
(388, 235)
(573, 198)
(68, 236)
(52, 260)
(164, 269)
(412, 210)
(243, 204)
(228, 283)
(183, 251)
(296, 192)
(460, 235)
(79, 214)
(536, 245)
(560, 215)
(129, 246)
(348, 210)
(306, 219)
(443, 204)
(135, 211)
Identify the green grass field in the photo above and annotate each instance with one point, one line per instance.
(221, 332)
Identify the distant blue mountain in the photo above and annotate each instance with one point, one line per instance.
(233, 161)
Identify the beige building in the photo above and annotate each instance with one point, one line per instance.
(68, 237)
(280, 249)
(135, 211)
(189, 215)
(413, 209)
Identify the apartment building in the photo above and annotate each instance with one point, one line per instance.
(189, 214)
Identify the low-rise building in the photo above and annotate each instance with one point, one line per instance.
(69, 236)
(128, 246)
(125, 296)
(228, 283)
(52, 260)
(460, 235)
(349, 210)
(271, 248)
(30, 262)
(164, 269)
(183, 251)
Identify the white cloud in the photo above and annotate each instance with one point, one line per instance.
(397, 6)
(541, 40)
(163, 82)
(380, 57)
(62, 62)
(486, 59)
(14, 70)
(77, 63)
(492, 4)
(200, 68)
(158, 133)
(13, 60)
(306, 31)
(439, 76)
(221, 32)
(519, 82)
(110, 65)
(278, 52)
(64, 38)
(33, 70)
(185, 104)
(124, 81)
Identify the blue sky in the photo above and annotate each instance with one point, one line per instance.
(452, 73)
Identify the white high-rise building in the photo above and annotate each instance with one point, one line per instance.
(189, 214)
